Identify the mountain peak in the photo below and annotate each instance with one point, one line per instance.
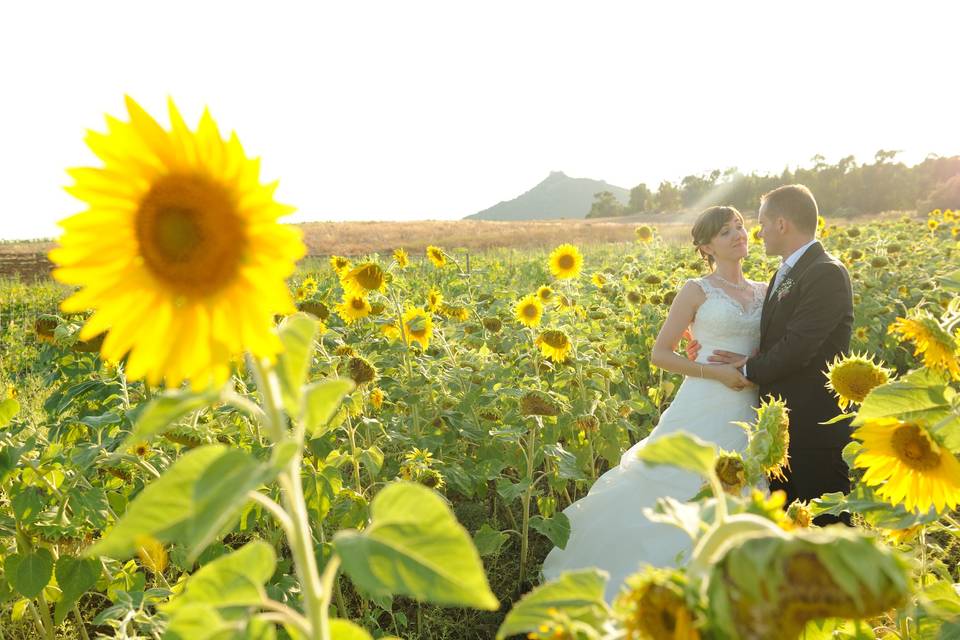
(557, 196)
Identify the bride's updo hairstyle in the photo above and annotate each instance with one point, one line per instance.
(708, 225)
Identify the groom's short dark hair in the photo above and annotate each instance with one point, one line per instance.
(794, 202)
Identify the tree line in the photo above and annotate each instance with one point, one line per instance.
(843, 188)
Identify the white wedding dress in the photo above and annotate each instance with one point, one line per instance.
(607, 527)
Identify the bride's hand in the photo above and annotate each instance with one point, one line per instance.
(731, 377)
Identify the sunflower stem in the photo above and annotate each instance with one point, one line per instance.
(80, 624)
(923, 556)
(45, 613)
(352, 432)
(527, 495)
(299, 536)
(38, 621)
(327, 581)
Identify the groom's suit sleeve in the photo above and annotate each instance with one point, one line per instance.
(824, 296)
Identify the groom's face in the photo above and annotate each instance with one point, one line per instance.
(768, 231)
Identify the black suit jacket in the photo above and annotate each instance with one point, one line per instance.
(804, 325)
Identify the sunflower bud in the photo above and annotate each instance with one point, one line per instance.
(768, 440)
(538, 403)
(731, 471)
(492, 324)
(799, 515)
(588, 423)
(45, 326)
(360, 370)
(317, 309)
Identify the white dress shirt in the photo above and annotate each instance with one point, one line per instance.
(792, 260)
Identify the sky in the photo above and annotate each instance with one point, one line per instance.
(435, 110)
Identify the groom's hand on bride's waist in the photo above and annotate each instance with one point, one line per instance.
(727, 357)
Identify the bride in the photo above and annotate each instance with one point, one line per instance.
(722, 311)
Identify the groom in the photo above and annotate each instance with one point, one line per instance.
(806, 321)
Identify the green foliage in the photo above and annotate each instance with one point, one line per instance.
(29, 573)
(450, 417)
(75, 576)
(681, 450)
(414, 546)
(190, 504)
(578, 593)
(233, 580)
(843, 188)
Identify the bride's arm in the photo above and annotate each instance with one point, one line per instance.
(681, 314)
(664, 355)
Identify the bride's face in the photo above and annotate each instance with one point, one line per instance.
(730, 243)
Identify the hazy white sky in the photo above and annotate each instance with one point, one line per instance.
(413, 110)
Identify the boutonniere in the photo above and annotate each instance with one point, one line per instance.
(784, 288)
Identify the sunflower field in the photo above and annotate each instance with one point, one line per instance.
(205, 435)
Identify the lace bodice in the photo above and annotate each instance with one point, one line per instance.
(722, 322)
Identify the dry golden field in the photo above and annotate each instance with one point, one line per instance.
(28, 259)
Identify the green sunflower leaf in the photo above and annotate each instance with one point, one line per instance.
(682, 450)
(163, 412)
(29, 573)
(190, 503)
(414, 546)
(297, 333)
(578, 594)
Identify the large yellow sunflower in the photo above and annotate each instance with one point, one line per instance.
(353, 308)
(529, 311)
(566, 262)
(851, 378)
(179, 254)
(931, 341)
(907, 465)
(436, 256)
(554, 344)
(364, 279)
(418, 326)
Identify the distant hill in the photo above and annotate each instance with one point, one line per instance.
(558, 196)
